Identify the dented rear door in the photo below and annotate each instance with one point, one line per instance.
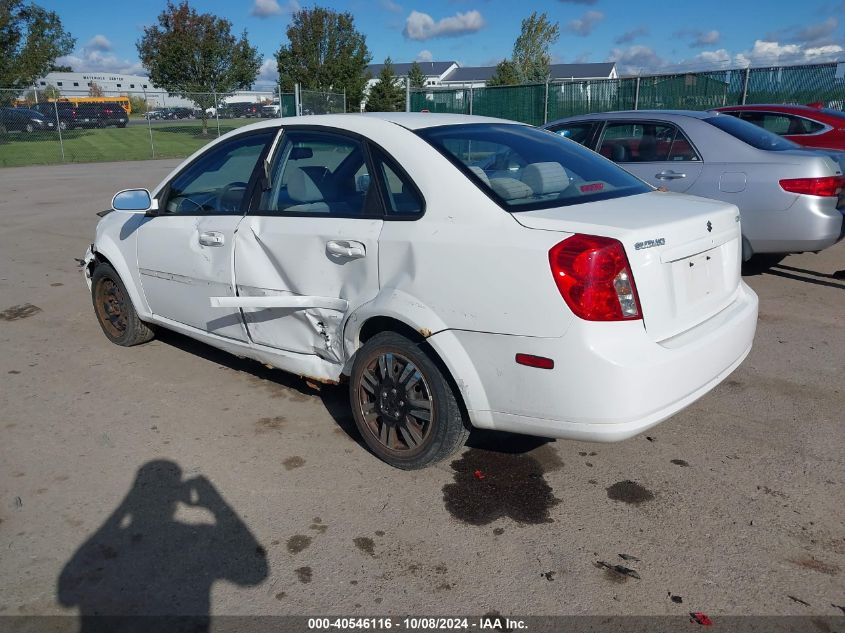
(308, 254)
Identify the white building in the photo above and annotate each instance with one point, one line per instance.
(74, 84)
(434, 72)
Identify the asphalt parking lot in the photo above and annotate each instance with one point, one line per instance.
(174, 474)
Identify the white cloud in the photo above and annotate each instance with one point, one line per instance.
(99, 43)
(425, 56)
(389, 5)
(584, 25)
(97, 56)
(421, 26)
(706, 38)
(269, 72)
(269, 8)
(636, 60)
(770, 53)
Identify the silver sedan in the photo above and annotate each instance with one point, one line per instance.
(790, 199)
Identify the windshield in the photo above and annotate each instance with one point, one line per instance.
(750, 133)
(525, 168)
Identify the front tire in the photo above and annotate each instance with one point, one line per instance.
(114, 309)
(403, 404)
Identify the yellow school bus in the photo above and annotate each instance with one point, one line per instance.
(122, 100)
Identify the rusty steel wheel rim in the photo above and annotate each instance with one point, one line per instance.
(110, 304)
(396, 404)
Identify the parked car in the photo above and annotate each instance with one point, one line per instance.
(790, 199)
(62, 111)
(24, 120)
(805, 125)
(178, 113)
(269, 111)
(558, 296)
(105, 114)
(84, 115)
(240, 110)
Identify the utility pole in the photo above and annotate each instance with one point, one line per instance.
(407, 94)
(546, 102)
(280, 99)
(637, 94)
(149, 123)
(297, 100)
(745, 84)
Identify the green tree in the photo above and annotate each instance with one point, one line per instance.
(325, 52)
(505, 75)
(137, 103)
(416, 76)
(387, 94)
(40, 96)
(31, 38)
(195, 55)
(531, 49)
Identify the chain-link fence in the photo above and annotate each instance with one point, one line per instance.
(540, 103)
(39, 127)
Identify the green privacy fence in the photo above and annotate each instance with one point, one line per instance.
(540, 103)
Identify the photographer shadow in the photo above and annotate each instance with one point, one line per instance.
(146, 568)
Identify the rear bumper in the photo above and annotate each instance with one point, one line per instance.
(811, 224)
(610, 380)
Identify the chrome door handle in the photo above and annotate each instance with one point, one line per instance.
(211, 238)
(669, 175)
(346, 248)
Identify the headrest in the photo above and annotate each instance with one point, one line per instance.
(301, 187)
(510, 188)
(619, 153)
(545, 178)
(480, 173)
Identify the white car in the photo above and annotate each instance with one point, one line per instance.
(457, 271)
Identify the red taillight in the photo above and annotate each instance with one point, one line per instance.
(541, 362)
(827, 186)
(595, 279)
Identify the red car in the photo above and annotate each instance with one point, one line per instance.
(806, 125)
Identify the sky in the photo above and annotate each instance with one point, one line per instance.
(642, 37)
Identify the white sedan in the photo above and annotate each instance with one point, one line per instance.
(457, 271)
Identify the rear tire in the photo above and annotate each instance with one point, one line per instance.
(403, 404)
(115, 312)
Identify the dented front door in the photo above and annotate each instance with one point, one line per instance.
(316, 270)
(307, 254)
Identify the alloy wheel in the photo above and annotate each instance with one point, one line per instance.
(396, 403)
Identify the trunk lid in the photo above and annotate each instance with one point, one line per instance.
(685, 252)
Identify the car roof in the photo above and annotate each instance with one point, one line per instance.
(641, 114)
(783, 107)
(355, 122)
(420, 120)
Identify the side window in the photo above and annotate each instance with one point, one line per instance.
(645, 143)
(681, 149)
(401, 196)
(581, 133)
(217, 182)
(322, 173)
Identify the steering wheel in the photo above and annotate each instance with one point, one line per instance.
(222, 204)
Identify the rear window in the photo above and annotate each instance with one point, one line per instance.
(839, 114)
(750, 133)
(525, 168)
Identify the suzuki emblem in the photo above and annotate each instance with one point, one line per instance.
(709, 226)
